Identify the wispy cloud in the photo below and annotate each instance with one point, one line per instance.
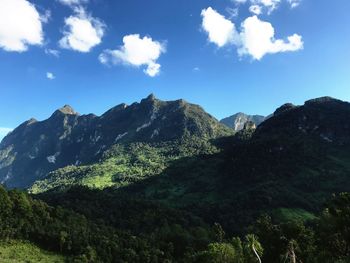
(73, 3)
(266, 6)
(294, 3)
(52, 52)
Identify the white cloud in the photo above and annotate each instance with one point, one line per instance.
(221, 31)
(50, 76)
(52, 52)
(136, 52)
(271, 5)
(256, 37)
(4, 132)
(73, 2)
(82, 31)
(239, 1)
(294, 3)
(261, 6)
(45, 18)
(20, 25)
(255, 9)
(232, 12)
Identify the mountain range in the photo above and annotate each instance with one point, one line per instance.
(36, 148)
(164, 181)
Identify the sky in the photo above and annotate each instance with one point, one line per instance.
(226, 55)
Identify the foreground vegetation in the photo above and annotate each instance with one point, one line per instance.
(13, 251)
(152, 233)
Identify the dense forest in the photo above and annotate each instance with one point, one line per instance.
(135, 231)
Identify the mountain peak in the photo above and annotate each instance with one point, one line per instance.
(65, 110)
(149, 98)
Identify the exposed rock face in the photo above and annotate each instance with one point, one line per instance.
(237, 121)
(249, 125)
(36, 148)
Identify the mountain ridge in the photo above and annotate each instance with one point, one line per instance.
(67, 138)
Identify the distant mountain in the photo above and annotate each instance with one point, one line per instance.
(36, 148)
(238, 120)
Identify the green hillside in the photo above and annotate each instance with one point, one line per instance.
(125, 164)
(25, 252)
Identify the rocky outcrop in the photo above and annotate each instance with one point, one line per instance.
(237, 121)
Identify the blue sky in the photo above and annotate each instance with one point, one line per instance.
(94, 54)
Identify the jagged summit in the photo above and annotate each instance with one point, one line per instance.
(149, 98)
(66, 109)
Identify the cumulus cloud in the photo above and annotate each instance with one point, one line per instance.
(20, 25)
(50, 75)
(221, 31)
(82, 32)
(256, 37)
(4, 132)
(137, 52)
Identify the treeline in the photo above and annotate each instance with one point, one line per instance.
(142, 231)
